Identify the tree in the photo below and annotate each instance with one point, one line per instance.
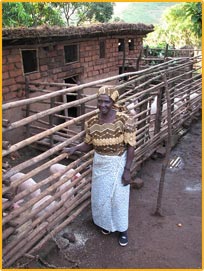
(194, 11)
(30, 14)
(78, 13)
(117, 19)
(55, 13)
(68, 11)
(179, 27)
(100, 12)
(16, 14)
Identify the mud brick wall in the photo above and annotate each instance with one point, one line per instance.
(52, 66)
(95, 67)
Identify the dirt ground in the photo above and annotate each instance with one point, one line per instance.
(170, 241)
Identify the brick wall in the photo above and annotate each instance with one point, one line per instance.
(52, 67)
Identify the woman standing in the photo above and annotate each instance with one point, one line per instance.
(112, 135)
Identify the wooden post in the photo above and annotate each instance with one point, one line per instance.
(147, 51)
(166, 51)
(142, 119)
(123, 65)
(168, 150)
(158, 116)
(52, 102)
(27, 94)
(138, 59)
(81, 110)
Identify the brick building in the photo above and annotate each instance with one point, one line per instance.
(64, 55)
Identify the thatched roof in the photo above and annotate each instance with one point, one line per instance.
(45, 34)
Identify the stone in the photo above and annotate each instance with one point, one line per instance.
(137, 183)
(186, 124)
(154, 156)
(69, 236)
(161, 151)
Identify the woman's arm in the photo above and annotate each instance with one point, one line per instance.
(130, 156)
(83, 147)
(126, 178)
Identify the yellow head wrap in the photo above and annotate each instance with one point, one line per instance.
(110, 91)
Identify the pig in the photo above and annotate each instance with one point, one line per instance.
(131, 109)
(25, 185)
(14, 206)
(59, 168)
(47, 208)
(153, 109)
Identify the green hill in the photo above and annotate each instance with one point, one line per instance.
(141, 12)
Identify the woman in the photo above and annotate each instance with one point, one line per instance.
(112, 135)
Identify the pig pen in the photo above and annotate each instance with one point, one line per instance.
(49, 128)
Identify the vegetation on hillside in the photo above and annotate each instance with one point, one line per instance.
(181, 25)
(140, 12)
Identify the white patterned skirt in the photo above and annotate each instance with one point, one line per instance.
(109, 197)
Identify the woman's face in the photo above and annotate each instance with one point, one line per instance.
(105, 104)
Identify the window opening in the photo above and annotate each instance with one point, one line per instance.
(102, 48)
(131, 44)
(30, 62)
(121, 45)
(71, 53)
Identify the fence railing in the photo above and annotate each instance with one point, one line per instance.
(35, 213)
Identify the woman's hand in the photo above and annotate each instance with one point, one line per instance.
(83, 147)
(126, 177)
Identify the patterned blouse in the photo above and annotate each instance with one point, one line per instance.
(111, 138)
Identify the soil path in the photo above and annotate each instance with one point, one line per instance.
(171, 241)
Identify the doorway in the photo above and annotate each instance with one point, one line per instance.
(70, 97)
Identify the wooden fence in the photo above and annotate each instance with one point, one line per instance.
(49, 126)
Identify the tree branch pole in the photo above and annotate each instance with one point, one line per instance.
(41, 156)
(76, 88)
(52, 222)
(52, 216)
(168, 150)
(41, 135)
(45, 181)
(36, 231)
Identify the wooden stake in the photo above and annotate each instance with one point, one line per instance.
(168, 150)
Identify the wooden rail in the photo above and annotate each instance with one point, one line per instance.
(24, 230)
